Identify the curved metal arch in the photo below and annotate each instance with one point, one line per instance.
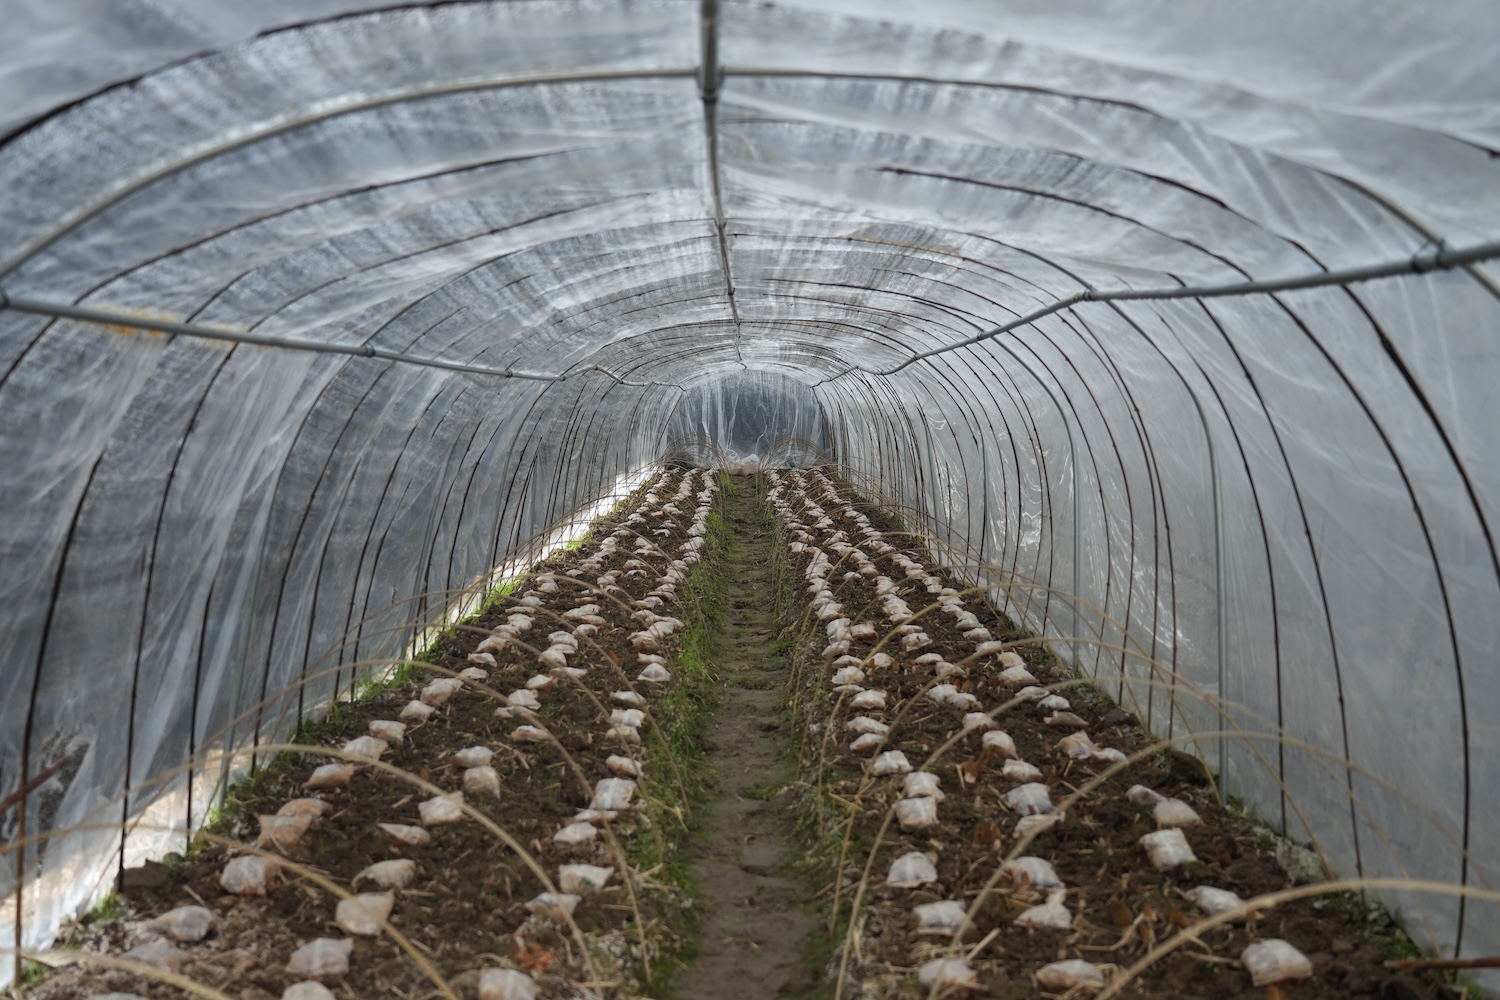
(1427, 536)
(1065, 200)
(1159, 509)
(707, 92)
(116, 318)
(253, 134)
(1115, 452)
(943, 255)
(506, 373)
(1034, 441)
(709, 95)
(1411, 220)
(809, 322)
(626, 343)
(1420, 263)
(139, 322)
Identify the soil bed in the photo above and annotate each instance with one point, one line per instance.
(784, 783)
(1118, 903)
(467, 909)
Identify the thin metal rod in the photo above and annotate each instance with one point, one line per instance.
(710, 80)
(1221, 574)
(322, 111)
(1436, 258)
(124, 320)
(1077, 503)
(1221, 587)
(1417, 224)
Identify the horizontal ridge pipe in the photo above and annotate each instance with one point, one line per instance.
(109, 317)
(1437, 258)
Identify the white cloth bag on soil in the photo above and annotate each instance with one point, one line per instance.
(1170, 813)
(412, 836)
(574, 834)
(284, 833)
(1166, 849)
(911, 870)
(947, 974)
(442, 809)
(186, 923)
(1032, 799)
(322, 958)
(388, 730)
(997, 744)
(364, 913)
(249, 875)
(1019, 770)
(329, 776)
(580, 879)
(1213, 901)
(1275, 961)
(396, 874)
(473, 757)
(613, 794)
(316, 808)
(921, 784)
(1071, 974)
(916, 814)
(483, 782)
(1038, 872)
(506, 984)
(416, 711)
(946, 917)
(890, 762)
(1052, 914)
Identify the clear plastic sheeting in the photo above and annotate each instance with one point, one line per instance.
(747, 421)
(734, 223)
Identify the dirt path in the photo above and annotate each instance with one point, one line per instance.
(756, 926)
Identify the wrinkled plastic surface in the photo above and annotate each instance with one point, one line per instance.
(196, 535)
(749, 419)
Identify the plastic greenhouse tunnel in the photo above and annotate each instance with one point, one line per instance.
(601, 499)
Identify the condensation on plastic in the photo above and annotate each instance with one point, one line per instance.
(191, 527)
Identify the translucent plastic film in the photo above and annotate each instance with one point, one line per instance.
(752, 420)
(770, 234)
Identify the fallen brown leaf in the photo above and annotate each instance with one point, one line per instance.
(532, 956)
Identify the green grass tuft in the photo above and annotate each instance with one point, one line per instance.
(682, 714)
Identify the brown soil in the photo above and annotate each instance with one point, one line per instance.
(1109, 884)
(467, 909)
(756, 926)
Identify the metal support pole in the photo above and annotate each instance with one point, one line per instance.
(1221, 612)
(129, 321)
(710, 80)
(1220, 576)
(1077, 504)
(1436, 258)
